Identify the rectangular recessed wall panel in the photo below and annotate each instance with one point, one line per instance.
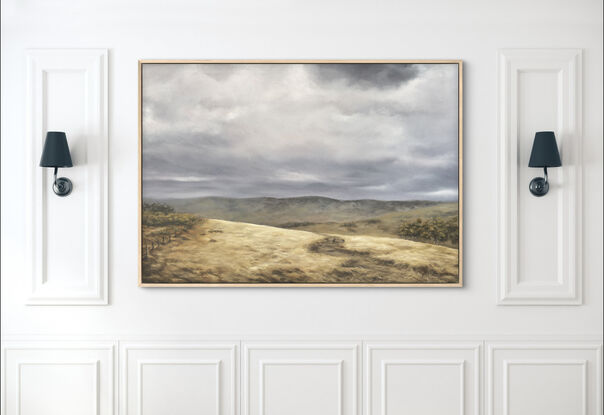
(57, 387)
(67, 236)
(422, 379)
(300, 379)
(58, 378)
(540, 378)
(539, 237)
(179, 378)
(537, 110)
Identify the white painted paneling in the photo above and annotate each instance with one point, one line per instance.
(422, 379)
(67, 236)
(540, 237)
(471, 30)
(300, 379)
(183, 378)
(529, 379)
(58, 379)
(296, 377)
(47, 387)
(191, 29)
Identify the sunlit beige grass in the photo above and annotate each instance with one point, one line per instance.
(416, 254)
(217, 251)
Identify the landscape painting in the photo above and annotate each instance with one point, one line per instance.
(300, 173)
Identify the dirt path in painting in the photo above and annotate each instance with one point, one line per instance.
(218, 251)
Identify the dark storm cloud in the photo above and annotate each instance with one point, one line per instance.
(345, 131)
(367, 75)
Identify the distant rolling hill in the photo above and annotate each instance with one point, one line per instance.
(301, 211)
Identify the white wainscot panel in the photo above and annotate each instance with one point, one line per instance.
(300, 379)
(67, 236)
(184, 379)
(539, 237)
(422, 379)
(58, 379)
(525, 379)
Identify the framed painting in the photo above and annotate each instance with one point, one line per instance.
(300, 173)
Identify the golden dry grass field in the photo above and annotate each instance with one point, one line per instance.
(220, 251)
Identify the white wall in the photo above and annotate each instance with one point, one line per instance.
(471, 30)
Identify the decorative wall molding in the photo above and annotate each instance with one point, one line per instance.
(464, 357)
(459, 364)
(202, 376)
(220, 358)
(540, 362)
(23, 395)
(67, 237)
(338, 364)
(545, 362)
(539, 238)
(184, 363)
(307, 364)
(93, 364)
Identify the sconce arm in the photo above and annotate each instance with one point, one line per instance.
(545, 174)
(61, 186)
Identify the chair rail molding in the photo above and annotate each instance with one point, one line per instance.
(539, 239)
(67, 237)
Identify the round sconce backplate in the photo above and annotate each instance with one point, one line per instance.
(539, 186)
(62, 186)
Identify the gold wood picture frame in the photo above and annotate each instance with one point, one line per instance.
(300, 173)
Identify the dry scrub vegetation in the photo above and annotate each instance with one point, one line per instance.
(218, 251)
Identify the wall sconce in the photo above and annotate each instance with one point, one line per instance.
(56, 154)
(544, 154)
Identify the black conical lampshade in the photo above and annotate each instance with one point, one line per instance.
(56, 151)
(545, 150)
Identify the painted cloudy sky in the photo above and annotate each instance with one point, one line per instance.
(346, 131)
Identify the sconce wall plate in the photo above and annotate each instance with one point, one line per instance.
(539, 186)
(62, 186)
